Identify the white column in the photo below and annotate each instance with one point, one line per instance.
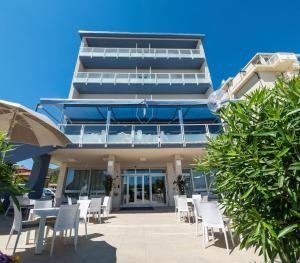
(177, 165)
(170, 181)
(60, 183)
(116, 192)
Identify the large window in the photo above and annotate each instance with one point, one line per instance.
(87, 181)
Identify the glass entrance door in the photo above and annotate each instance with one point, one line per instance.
(146, 189)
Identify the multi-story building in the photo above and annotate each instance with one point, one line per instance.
(137, 110)
(261, 71)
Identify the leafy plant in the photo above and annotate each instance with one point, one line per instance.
(180, 184)
(9, 182)
(108, 184)
(257, 159)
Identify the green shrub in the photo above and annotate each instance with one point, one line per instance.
(9, 182)
(257, 159)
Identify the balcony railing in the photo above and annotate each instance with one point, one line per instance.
(139, 78)
(140, 52)
(139, 134)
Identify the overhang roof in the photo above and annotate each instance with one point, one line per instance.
(84, 33)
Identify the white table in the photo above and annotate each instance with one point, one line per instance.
(42, 213)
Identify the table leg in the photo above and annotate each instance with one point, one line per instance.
(40, 239)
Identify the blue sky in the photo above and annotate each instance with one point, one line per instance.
(39, 40)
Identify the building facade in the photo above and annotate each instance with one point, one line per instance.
(137, 110)
(261, 71)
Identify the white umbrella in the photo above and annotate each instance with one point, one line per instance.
(27, 126)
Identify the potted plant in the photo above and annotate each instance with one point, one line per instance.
(108, 184)
(180, 184)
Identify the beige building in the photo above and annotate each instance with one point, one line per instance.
(261, 71)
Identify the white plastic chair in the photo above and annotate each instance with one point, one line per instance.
(24, 203)
(67, 219)
(212, 218)
(197, 196)
(95, 207)
(105, 207)
(19, 225)
(176, 205)
(70, 200)
(83, 207)
(197, 214)
(183, 208)
(83, 197)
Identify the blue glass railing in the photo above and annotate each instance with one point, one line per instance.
(140, 52)
(128, 134)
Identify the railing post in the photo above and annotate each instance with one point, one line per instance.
(196, 77)
(101, 78)
(87, 78)
(104, 53)
(92, 52)
(207, 131)
(170, 79)
(115, 76)
(180, 117)
(132, 135)
(81, 136)
(182, 79)
(117, 52)
(158, 136)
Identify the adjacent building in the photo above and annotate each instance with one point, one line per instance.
(137, 110)
(261, 71)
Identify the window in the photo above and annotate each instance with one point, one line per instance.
(85, 181)
(199, 181)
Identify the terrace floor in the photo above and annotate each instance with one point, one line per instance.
(131, 236)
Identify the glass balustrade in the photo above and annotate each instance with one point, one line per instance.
(145, 134)
(94, 134)
(195, 133)
(139, 78)
(214, 130)
(140, 52)
(141, 133)
(120, 134)
(170, 134)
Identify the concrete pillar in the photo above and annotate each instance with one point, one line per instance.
(177, 164)
(111, 165)
(170, 181)
(60, 183)
(116, 192)
(38, 175)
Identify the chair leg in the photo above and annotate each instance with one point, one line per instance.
(52, 243)
(213, 235)
(17, 240)
(196, 226)
(226, 241)
(230, 233)
(10, 234)
(204, 236)
(75, 237)
(85, 228)
(7, 210)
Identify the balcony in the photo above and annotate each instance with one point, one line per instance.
(163, 135)
(145, 83)
(120, 58)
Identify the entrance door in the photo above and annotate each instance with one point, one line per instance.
(141, 190)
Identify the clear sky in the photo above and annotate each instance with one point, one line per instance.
(39, 40)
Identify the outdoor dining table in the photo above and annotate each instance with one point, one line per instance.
(42, 213)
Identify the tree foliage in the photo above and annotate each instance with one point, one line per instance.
(257, 159)
(9, 182)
